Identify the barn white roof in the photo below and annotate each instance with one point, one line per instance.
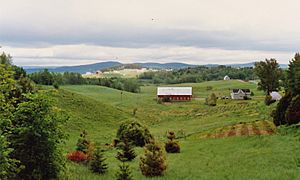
(174, 91)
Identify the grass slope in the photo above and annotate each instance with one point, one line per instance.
(99, 110)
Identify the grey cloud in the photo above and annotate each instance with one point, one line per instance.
(137, 37)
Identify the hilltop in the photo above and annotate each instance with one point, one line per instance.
(114, 64)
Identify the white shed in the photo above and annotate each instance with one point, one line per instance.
(275, 96)
(226, 78)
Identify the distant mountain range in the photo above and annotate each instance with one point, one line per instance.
(109, 64)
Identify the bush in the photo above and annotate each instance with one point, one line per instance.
(172, 146)
(209, 88)
(135, 133)
(153, 161)
(83, 144)
(78, 157)
(211, 100)
(56, 85)
(269, 100)
(293, 111)
(278, 115)
(97, 163)
(124, 173)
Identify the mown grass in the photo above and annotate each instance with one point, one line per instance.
(99, 110)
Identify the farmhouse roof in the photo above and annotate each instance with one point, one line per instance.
(174, 91)
(243, 90)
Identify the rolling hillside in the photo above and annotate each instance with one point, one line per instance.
(99, 110)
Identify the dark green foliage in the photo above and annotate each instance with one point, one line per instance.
(97, 163)
(293, 111)
(124, 173)
(172, 146)
(56, 85)
(269, 100)
(269, 74)
(153, 161)
(211, 100)
(130, 85)
(293, 75)
(127, 152)
(197, 74)
(136, 133)
(83, 143)
(49, 78)
(8, 166)
(5, 59)
(36, 136)
(282, 106)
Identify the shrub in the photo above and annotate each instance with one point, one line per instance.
(124, 173)
(279, 114)
(269, 100)
(135, 133)
(83, 144)
(56, 85)
(153, 161)
(172, 146)
(209, 88)
(211, 100)
(78, 157)
(97, 163)
(293, 111)
(127, 152)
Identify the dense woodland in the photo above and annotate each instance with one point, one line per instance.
(198, 74)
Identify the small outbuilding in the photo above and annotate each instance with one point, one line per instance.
(275, 96)
(240, 94)
(226, 78)
(175, 93)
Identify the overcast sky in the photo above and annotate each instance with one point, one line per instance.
(69, 32)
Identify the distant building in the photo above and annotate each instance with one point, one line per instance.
(240, 93)
(226, 78)
(98, 72)
(275, 96)
(175, 93)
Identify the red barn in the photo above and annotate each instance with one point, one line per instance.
(175, 93)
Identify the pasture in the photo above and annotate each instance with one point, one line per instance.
(209, 149)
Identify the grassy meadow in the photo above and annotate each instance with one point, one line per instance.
(206, 152)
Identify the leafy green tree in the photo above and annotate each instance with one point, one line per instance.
(97, 164)
(5, 59)
(36, 137)
(269, 74)
(293, 75)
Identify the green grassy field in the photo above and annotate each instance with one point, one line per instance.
(100, 110)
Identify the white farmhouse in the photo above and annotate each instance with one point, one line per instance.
(275, 96)
(240, 93)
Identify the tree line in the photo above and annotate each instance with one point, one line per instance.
(198, 74)
(72, 78)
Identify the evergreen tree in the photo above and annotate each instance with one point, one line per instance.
(153, 161)
(124, 173)
(172, 146)
(97, 163)
(293, 75)
(127, 152)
